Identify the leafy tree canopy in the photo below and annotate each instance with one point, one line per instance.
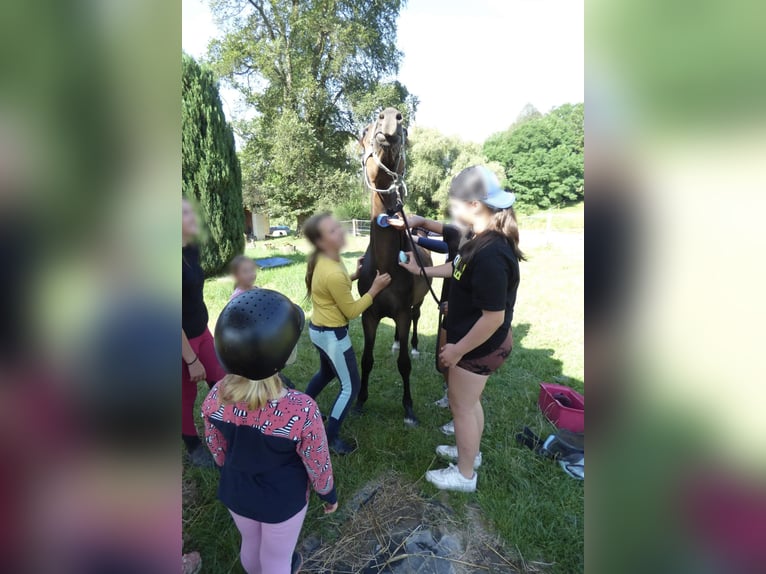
(314, 71)
(543, 157)
(433, 160)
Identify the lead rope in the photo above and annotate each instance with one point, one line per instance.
(417, 258)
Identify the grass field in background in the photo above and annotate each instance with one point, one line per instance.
(563, 219)
(532, 504)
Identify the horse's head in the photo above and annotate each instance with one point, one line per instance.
(383, 143)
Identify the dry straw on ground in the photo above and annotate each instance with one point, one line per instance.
(387, 513)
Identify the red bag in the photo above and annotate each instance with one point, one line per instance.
(563, 406)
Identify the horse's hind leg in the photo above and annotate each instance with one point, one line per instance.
(415, 319)
(370, 327)
(405, 366)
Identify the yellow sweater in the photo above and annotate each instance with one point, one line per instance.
(334, 304)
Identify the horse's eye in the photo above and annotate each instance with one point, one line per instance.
(381, 116)
(399, 117)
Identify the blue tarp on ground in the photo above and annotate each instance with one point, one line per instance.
(273, 262)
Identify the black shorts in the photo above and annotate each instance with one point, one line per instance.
(489, 363)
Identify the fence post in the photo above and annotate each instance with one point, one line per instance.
(353, 227)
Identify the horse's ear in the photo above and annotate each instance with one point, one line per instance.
(406, 136)
(362, 133)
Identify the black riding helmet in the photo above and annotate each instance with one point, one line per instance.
(256, 332)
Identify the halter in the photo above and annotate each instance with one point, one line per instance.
(397, 181)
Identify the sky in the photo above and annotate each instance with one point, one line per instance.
(474, 64)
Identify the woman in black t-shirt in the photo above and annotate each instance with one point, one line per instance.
(200, 362)
(484, 279)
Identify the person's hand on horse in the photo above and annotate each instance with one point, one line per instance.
(413, 221)
(411, 265)
(396, 222)
(449, 355)
(197, 371)
(330, 508)
(359, 263)
(380, 283)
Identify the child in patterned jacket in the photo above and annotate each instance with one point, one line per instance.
(271, 447)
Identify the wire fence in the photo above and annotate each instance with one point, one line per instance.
(548, 221)
(357, 227)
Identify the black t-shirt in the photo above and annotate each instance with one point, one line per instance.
(451, 236)
(193, 311)
(488, 283)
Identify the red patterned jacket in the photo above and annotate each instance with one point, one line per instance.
(270, 457)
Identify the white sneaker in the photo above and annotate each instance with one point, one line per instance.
(449, 452)
(450, 479)
(448, 429)
(442, 402)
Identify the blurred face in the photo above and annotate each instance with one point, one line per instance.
(246, 273)
(333, 237)
(189, 221)
(464, 212)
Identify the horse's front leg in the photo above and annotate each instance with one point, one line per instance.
(404, 364)
(370, 326)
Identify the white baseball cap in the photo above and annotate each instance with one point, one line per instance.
(479, 183)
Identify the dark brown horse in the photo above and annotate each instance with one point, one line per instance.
(383, 165)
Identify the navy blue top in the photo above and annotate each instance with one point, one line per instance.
(269, 457)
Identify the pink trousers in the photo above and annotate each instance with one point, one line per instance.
(268, 548)
(204, 348)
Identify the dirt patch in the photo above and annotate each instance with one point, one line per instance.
(390, 527)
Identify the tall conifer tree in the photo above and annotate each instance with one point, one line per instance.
(210, 168)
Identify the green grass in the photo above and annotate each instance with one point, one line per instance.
(532, 504)
(569, 218)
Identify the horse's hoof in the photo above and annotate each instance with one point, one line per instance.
(357, 411)
(411, 422)
(395, 347)
(415, 353)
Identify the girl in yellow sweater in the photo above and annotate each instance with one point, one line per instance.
(329, 286)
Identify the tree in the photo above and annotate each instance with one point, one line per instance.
(315, 71)
(210, 171)
(433, 160)
(543, 157)
(528, 112)
(383, 95)
(429, 161)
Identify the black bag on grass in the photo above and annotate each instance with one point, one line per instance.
(565, 447)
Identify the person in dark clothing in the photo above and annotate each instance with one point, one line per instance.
(451, 234)
(453, 237)
(269, 441)
(198, 353)
(482, 295)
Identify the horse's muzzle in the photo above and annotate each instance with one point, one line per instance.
(385, 140)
